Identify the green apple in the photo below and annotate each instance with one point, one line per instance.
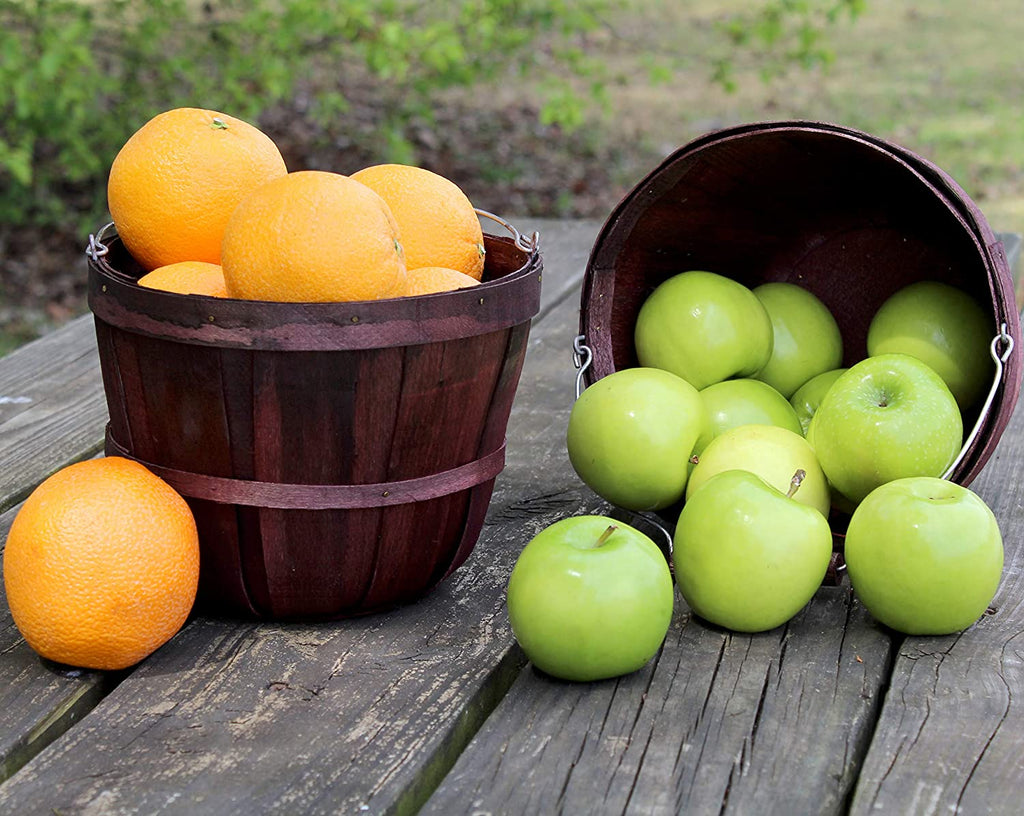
(887, 417)
(806, 339)
(924, 555)
(808, 396)
(703, 327)
(732, 403)
(631, 434)
(943, 327)
(747, 556)
(772, 453)
(807, 407)
(590, 598)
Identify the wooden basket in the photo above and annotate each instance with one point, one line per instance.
(844, 214)
(338, 457)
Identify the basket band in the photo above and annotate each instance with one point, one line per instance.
(285, 496)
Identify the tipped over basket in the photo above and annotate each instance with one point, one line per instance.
(339, 457)
(842, 213)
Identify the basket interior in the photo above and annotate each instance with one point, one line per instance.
(838, 216)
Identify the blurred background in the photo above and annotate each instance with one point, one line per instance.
(545, 108)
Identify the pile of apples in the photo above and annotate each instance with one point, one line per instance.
(741, 420)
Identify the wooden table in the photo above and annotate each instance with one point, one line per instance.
(433, 708)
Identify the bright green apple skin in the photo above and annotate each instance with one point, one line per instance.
(747, 557)
(584, 610)
(631, 434)
(770, 452)
(924, 555)
(703, 327)
(943, 327)
(886, 418)
(805, 336)
(809, 396)
(732, 403)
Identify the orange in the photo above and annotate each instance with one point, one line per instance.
(176, 181)
(101, 565)
(438, 223)
(429, 279)
(187, 278)
(313, 236)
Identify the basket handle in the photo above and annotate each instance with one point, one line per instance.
(999, 357)
(582, 357)
(97, 248)
(530, 245)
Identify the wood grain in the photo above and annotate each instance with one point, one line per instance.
(51, 408)
(367, 713)
(717, 723)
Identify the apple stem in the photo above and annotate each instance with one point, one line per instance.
(795, 482)
(605, 536)
(695, 460)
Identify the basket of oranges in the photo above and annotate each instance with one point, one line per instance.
(321, 365)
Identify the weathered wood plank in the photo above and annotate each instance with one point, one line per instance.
(951, 734)
(564, 245)
(771, 723)
(39, 700)
(360, 714)
(52, 409)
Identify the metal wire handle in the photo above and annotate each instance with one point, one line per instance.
(1000, 358)
(526, 244)
(97, 248)
(582, 357)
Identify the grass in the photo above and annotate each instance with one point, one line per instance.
(938, 76)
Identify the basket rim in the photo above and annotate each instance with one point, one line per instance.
(938, 182)
(504, 301)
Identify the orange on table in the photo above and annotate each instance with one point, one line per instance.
(438, 223)
(430, 279)
(176, 181)
(101, 565)
(313, 236)
(187, 278)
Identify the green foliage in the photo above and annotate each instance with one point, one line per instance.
(77, 78)
(784, 33)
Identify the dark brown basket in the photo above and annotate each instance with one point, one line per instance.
(339, 458)
(844, 214)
